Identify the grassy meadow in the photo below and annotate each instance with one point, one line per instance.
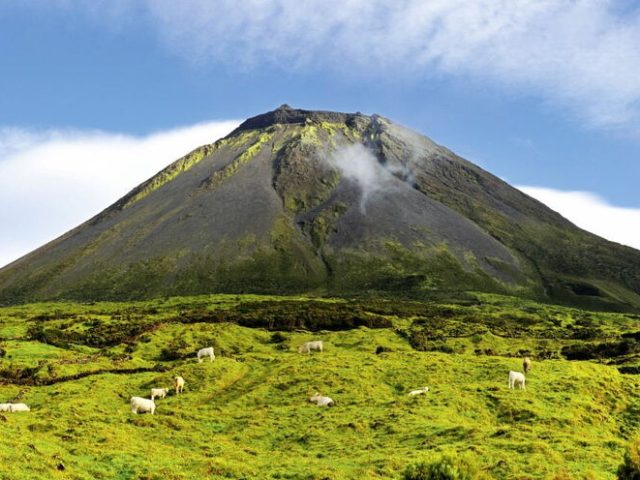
(247, 414)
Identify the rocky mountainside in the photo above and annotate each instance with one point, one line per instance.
(307, 201)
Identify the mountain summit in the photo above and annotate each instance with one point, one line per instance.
(337, 203)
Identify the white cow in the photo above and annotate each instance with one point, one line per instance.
(142, 405)
(206, 352)
(322, 401)
(5, 407)
(308, 346)
(516, 380)
(178, 383)
(159, 393)
(19, 407)
(419, 391)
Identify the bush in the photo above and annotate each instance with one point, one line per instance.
(630, 369)
(630, 468)
(590, 351)
(588, 333)
(278, 337)
(98, 334)
(447, 468)
(288, 316)
(175, 350)
(422, 342)
(103, 334)
(26, 375)
(52, 336)
(485, 351)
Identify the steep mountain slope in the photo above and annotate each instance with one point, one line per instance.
(296, 200)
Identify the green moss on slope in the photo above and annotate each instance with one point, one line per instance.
(165, 176)
(216, 178)
(302, 178)
(400, 270)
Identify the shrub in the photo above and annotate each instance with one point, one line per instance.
(447, 468)
(630, 468)
(103, 334)
(278, 337)
(630, 369)
(98, 334)
(589, 351)
(288, 315)
(52, 336)
(175, 350)
(587, 333)
(423, 342)
(485, 351)
(26, 375)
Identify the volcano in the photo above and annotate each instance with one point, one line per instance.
(298, 201)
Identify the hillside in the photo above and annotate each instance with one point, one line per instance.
(246, 415)
(297, 201)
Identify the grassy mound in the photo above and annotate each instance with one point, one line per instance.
(247, 414)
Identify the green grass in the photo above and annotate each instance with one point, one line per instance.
(246, 415)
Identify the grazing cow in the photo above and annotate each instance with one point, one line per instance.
(5, 407)
(419, 391)
(18, 407)
(516, 380)
(526, 364)
(206, 352)
(178, 383)
(321, 401)
(308, 346)
(142, 405)
(159, 393)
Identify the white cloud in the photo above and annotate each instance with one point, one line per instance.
(359, 165)
(54, 180)
(582, 55)
(592, 213)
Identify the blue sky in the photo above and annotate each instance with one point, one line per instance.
(544, 93)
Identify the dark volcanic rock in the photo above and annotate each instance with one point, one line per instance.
(284, 115)
(297, 200)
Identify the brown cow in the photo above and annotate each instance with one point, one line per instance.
(526, 364)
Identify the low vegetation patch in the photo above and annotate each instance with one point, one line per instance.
(600, 350)
(447, 468)
(630, 467)
(292, 315)
(247, 414)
